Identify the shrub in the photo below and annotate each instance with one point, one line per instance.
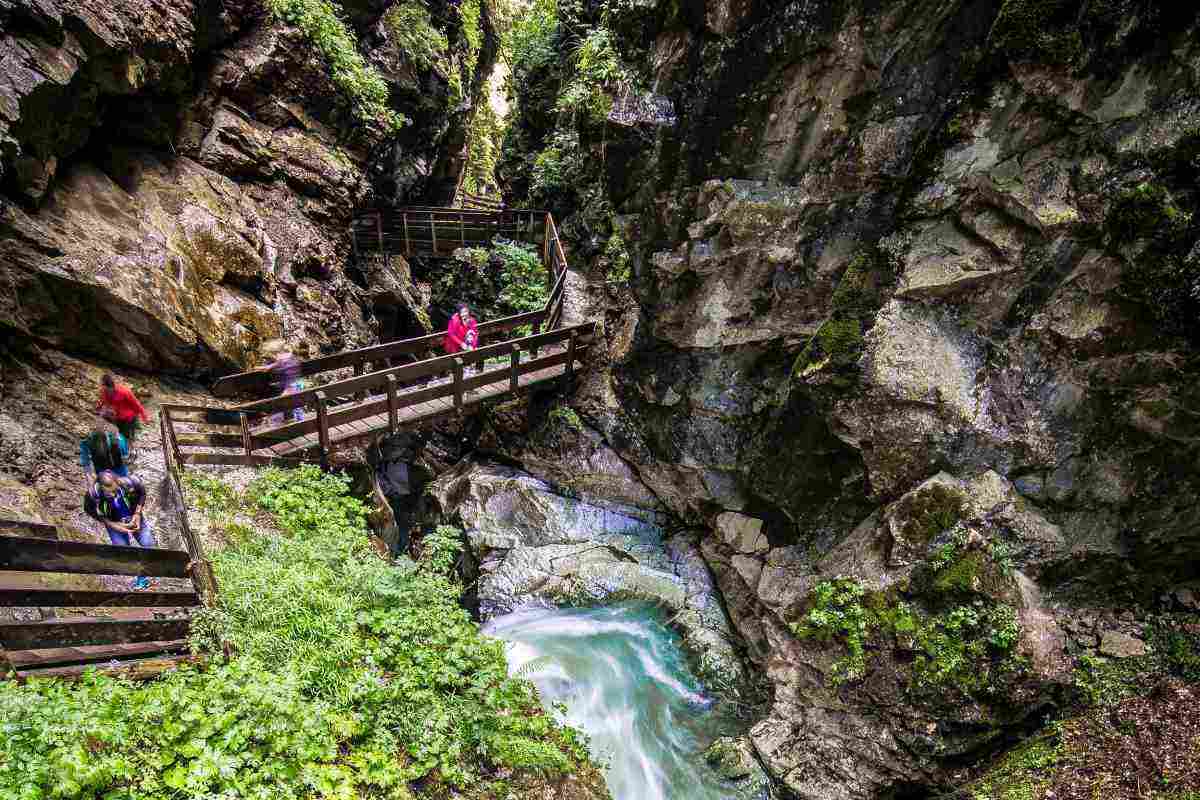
(412, 28)
(522, 278)
(318, 20)
(963, 646)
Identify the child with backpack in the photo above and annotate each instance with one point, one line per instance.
(118, 504)
(103, 449)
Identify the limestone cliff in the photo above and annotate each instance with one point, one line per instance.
(914, 295)
(177, 178)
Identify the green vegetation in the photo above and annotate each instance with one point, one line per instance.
(412, 28)
(1042, 30)
(929, 512)
(596, 75)
(353, 679)
(484, 134)
(318, 20)
(567, 416)
(835, 348)
(1018, 776)
(968, 647)
(522, 278)
(616, 251)
(1164, 278)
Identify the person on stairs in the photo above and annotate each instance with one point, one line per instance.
(103, 449)
(118, 504)
(120, 406)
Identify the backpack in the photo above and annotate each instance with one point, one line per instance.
(106, 453)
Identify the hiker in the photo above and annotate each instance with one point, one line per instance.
(117, 504)
(103, 449)
(285, 379)
(119, 406)
(462, 333)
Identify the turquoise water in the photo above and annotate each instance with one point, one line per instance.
(623, 679)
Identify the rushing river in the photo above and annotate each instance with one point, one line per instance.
(622, 677)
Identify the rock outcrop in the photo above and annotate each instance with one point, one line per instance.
(533, 546)
(177, 179)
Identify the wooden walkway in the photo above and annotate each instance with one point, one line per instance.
(70, 607)
(360, 394)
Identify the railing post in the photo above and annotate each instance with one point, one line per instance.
(354, 242)
(246, 441)
(433, 233)
(323, 427)
(361, 394)
(407, 245)
(458, 385)
(393, 421)
(514, 362)
(546, 245)
(379, 231)
(462, 230)
(571, 356)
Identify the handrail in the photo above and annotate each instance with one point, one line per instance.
(445, 229)
(252, 379)
(203, 577)
(409, 372)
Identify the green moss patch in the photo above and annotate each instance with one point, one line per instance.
(969, 648)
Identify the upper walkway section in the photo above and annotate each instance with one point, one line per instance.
(438, 232)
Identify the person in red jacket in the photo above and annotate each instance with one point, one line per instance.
(119, 405)
(462, 333)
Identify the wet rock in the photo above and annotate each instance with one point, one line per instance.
(1116, 644)
(534, 546)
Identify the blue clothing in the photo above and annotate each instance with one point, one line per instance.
(144, 537)
(86, 459)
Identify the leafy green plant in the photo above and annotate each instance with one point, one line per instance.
(318, 20)
(962, 646)
(522, 278)
(412, 28)
(617, 252)
(352, 679)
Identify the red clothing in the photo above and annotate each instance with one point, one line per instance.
(456, 333)
(125, 407)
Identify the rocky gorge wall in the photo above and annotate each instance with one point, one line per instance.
(913, 299)
(178, 178)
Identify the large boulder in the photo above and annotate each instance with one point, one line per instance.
(535, 546)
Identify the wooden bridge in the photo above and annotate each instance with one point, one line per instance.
(67, 606)
(358, 394)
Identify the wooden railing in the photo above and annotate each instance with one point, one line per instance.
(439, 232)
(137, 633)
(383, 355)
(379, 388)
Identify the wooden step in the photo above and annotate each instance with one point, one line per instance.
(88, 558)
(38, 596)
(136, 670)
(28, 528)
(131, 626)
(90, 654)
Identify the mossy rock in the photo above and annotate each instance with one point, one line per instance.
(927, 513)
